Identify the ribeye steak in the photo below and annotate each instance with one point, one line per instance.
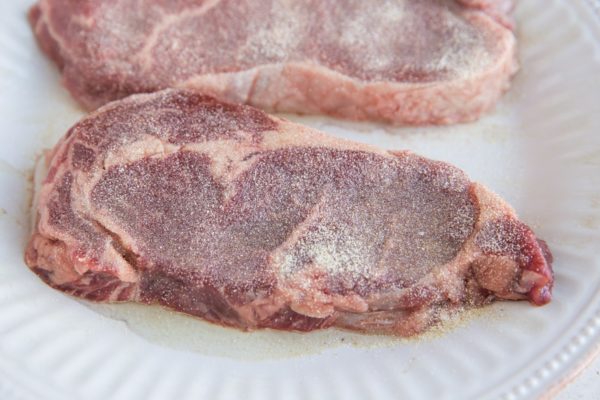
(403, 61)
(224, 212)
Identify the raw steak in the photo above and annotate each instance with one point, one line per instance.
(403, 61)
(224, 212)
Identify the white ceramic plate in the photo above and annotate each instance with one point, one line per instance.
(540, 150)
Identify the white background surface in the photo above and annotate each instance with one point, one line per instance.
(540, 150)
(585, 387)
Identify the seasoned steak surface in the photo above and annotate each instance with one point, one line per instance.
(248, 220)
(408, 62)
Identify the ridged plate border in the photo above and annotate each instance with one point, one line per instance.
(584, 347)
